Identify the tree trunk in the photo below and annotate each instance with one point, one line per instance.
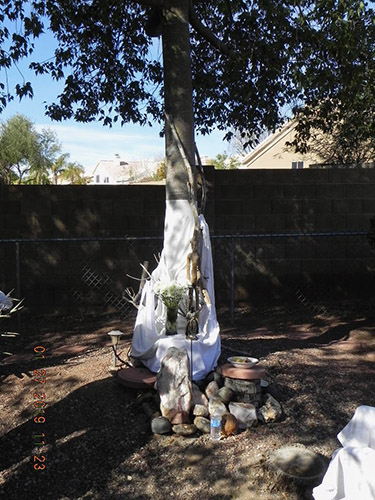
(178, 98)
(152, 336)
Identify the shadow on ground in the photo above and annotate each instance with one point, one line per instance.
(87, 434)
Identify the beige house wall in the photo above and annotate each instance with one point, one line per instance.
(273, 153)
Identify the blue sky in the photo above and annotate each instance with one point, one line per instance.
(89, 143)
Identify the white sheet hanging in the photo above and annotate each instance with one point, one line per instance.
(351, 472)
(360, 431)
(149, 340)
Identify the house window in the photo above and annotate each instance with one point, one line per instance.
(97, 178)
(106, 180)
(297, 164)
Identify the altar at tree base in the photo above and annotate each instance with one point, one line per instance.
(150, 342)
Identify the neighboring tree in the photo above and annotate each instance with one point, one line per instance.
(26, 156)
(38, 176)
(3, 176)
(19, 148)
(161, 171)
(49, 151)
(241, 143)
(339, 102)
(58, 167)
(345, 142)
(74, 174)
(225, 162)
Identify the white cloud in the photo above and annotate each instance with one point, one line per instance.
(87, 144)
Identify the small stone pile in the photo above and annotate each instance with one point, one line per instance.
(185, 407)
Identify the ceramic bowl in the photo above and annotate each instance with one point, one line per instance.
(243, 361)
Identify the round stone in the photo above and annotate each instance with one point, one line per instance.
(202, 424)
(230, 424)
(212, 389)
(225, 394)
(161, 425)
(200, 411)
(271, 411)
(184, 429)
(217, 407)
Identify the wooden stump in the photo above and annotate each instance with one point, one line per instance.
(295, 468)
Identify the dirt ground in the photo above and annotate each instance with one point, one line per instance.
(98, 443)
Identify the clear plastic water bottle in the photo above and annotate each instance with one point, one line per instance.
(215, 427)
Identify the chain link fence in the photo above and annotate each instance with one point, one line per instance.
(325, 272)
(319, 271)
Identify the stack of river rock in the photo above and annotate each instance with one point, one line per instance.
(185, 407)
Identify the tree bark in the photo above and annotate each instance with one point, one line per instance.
(178, 98)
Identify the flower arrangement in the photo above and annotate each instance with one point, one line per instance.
(170, 292)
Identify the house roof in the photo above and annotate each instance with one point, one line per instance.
(112, 168)
(268, 143)
(124, 172)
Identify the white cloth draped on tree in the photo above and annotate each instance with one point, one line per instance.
(150, 343)
(351, 472)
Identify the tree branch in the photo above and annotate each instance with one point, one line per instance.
(132, 297)
(229, 8)
(207, 34)
(149, 3)
(196, 23)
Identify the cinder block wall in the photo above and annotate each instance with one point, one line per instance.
(62, 276)
(295, 201)
(239, 202)
(80, 211)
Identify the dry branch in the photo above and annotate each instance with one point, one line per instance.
(129, 294)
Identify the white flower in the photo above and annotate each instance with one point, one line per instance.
(170, 292)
